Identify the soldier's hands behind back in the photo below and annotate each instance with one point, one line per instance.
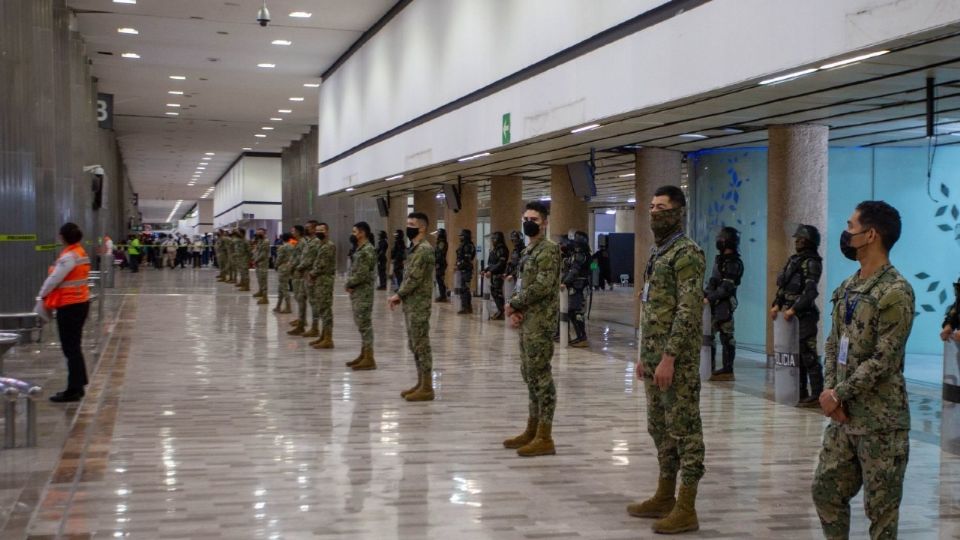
(773, 313)
(946, 333)
(515, 319)
(828, 404)
(663, 376)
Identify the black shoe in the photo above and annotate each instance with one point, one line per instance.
(67, 397)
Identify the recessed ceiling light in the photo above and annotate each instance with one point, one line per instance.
(247, 149)
(175, 92)
(284, 42)
(632, 200)
(349, 189)
(311, 85)
(585, 128)
(178, 77)
(209, 154)
(475, 156)
(854, 59)
(284, 111)
(693, 136)
(266, 65)
(276, 119)
(124, 1)
(261, 135)
(628, 175)
(301, 15)
(395, 177)
(131, 31)
(266, 128)
(296, 99)
(789, 76)
(172, 114)
(173, 104)
(130, 55)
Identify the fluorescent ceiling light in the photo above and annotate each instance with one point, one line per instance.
(124, 1)
(547, 198)
(178, 77)
(301, 15)
(266, 65)
(206, 158)
(475, 156)
(693, 136)
(296, 99)
(311, 85)
(175, 92)
(350, 189)
(284, 42)
(395, 177)
(441, 196)
(610, 212)
(209, 154)
(266, 128)
(173, 104)
(276, 119)
(789, 76)
(628, 175)
(131, 31)
(247, 149)
(261, 135)
(849, 61)
(284, 111)
(585, 128)
(130, 55)
(173, 114)
(632, 200)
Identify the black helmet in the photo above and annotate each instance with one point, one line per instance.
(581, 237)
(809, 233)
(728, 238)
(465, 234)
(442, 234)
(497, 238)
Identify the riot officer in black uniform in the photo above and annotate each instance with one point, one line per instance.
(513, 264)
(796, 295)
(466, 253)
(382, 248)
(398, 255)
(721, 295)
(495, 271)
(950, 329)
(576, 278)
(440, 254)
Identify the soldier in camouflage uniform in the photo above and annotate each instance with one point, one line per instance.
(241, 260)
(534, 308)
(796, 293)
(299, 283)
(226, 262)
(261, 262)
(721, 295)
(867, 441)
(496, 267)
(360, 285)
(671, 329)
(284, 273)
(307, 257)
(951, 321)
(323, 273)
(415, 293)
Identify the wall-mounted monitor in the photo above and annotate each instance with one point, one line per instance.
(581, 179)
(452, 196)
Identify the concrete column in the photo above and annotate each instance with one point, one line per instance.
(656, 167)
(567, 211)
(796, 193)
(506, 204)
(426, 202)
(397, 217)
(204, 216)
(466, 218)
(625, 221)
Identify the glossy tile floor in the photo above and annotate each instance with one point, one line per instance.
(204, 420)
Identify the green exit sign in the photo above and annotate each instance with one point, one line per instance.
(505, 129)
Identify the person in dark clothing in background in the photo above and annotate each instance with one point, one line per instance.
(398, 255)
(382, 248)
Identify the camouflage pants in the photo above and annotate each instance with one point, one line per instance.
(673, 421)
(536, 354)
(496, 291)
(418, 338)
(878, 462)
(300, 295)
(242, 266)
(283, 286)
(220, 265)
(322, 300)
(810, 368)
(362, 302)
(313, 297)
(262, 278)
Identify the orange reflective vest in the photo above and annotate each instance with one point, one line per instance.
(74, 289)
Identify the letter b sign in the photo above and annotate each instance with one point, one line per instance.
(105, 110)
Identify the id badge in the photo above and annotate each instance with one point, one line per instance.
(646, 292)
(844, 349)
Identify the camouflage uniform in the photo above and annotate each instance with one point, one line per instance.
(537, 298)
(261, 261)
(362, 280)
(797, 289)
(872, 447)
(299, 290)
(671, 323)
(242, 261)
(284, 271)
(218, 250)
(323, 272)
(415, 292)
(308, 254)
(226, 257)
(721, 292)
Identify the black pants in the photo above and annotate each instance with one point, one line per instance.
(134, 260)
(70, 321)
(196, 260)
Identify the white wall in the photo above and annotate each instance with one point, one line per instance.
(438, 50)
(253, 181)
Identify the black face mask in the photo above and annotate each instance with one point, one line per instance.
(849, 251)
(531, 228)
(721, 245)
(353, 239)
(321, 236)
(413, 232)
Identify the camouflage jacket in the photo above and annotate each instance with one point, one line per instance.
(295, 256)
(228, 247)
(871, 385)
(285, 258)
(307, 254)
(671, 319)
(416, 291)
(242, 249)
(538, 296)
(325, 261)
(261, 253)
(364, 268)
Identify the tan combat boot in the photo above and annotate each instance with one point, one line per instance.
(524, 438)
(326, 339)
(722, 377)
(294, 322)
(279, 307)
(359, 358)
(416, 387)
(244, 288)
(683, 517)
(287, 308)
(425, 391)
(541, 445)
(660, 504)
(314, 330)
(263, 300)
(368, 363)
(297, 329)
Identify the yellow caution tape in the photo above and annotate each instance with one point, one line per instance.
(18, 238)
(46, 247)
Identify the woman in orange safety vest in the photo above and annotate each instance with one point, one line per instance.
(66, 292)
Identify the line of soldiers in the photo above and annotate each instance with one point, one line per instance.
(235, 254)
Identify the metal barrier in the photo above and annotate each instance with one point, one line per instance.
(6, 342)
(24, 324)
(706, 345)
(12, 390)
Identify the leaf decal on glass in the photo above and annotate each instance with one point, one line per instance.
(928, 308)
(954, 212)
(933, 286)
(945, 190)
(922, 275)
(943, 297)
(944, 227)
(940, 211)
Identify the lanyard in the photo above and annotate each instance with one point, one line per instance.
(851, 307)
